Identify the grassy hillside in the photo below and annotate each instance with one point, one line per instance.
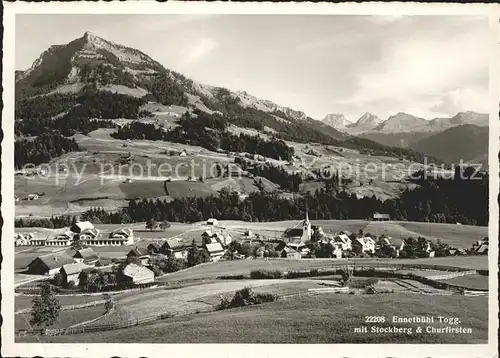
(395, 139)
(464, 142)
(244, 267)
(312, 319)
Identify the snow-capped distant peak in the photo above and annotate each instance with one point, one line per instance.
(368, 119)
(336, 120)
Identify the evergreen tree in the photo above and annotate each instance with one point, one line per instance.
(46, 307)
(193, 254)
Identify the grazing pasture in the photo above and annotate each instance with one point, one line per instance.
(325, 318)
(65, 319)
(243, 267)
(479, 282)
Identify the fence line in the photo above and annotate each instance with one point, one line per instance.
(69, 307)
(125, 324)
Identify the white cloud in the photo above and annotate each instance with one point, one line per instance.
(195, 52)
(429, 74)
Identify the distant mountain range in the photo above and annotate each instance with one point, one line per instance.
(403, 123)
(58, 79)
(463, 136)
(465, 142)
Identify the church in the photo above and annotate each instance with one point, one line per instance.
(300, 232)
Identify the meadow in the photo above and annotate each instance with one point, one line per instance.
(326, 318)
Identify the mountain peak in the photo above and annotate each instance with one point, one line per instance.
(369, 119)
(90, 36)
(336, 120)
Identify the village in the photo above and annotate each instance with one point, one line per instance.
(76, 251)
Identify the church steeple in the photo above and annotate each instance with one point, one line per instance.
(306, 228)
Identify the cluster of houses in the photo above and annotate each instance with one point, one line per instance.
(71, 263)
(293, 243)
(214, 241)
(84, 231)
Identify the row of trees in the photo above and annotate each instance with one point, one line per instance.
(435, 200)
(42, 149)
(66, 125)
(276, 174)
(208, 131)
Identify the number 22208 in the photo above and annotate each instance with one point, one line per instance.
(374, 319)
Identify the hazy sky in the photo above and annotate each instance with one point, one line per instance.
(429, 66)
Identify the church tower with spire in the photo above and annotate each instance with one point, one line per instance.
(306, 228)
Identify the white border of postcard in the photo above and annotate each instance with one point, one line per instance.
(10, 348)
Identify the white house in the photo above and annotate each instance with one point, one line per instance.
(364, 245)
(138, 274)
(20, 240)
(80, 226)
(125, 235)
(89, 234)
(32, 196)
(87, 256)
(71, 272)
(215, 250)
(60, 240)
(344, 241)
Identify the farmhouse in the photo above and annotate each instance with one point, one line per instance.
(212, 222)
(79, 226)
(20, 240)
(343, 241)
(49, 264)
(141, 254)
(154, 248)
(299, 246)
(381, 217)
(289, 253)
(222, 237)
(121, 236)
(60, 240)
(480, 247)
(215, 250)
(174, 247)
(386, 247)
(87, 256)
(88, 234)
(364, 245)
(138, 274)
(32, 196)
(71, 272)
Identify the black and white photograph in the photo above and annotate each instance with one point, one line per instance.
(279, 178)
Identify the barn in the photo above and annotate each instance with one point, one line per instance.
(49, 264)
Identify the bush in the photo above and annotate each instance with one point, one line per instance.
(265, 274)
(363, 283)
(224, 304)
(245, 297)
(265, 297)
